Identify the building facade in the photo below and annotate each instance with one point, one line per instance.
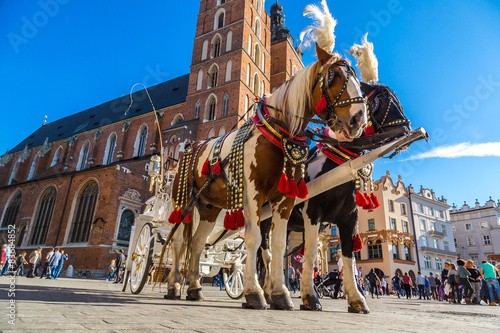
(433, 230)
(477, 231)
(387, 233)
(80, 182)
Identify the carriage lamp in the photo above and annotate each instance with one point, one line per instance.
(154, 170)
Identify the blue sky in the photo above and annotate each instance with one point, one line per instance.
(441, 58)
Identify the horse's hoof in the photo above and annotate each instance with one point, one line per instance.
(358, 307)
(311, 303)
(173, 293)
(194, 295)
(255, 301)
(281, 302)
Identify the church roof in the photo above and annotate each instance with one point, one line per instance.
(163, 95)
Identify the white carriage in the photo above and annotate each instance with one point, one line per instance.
(226, 252)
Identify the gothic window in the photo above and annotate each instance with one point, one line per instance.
(229, 40)
(263, 62)
(259, 6)
(204, 50)
(276, 64)
(197, 109)
(200, 79)
(375, 249)
(248, 75)
(250, 46)
(110, 149)
(219, 19)
(256, 84)
(222, 131)
(126, 223)
(211, 108)
(84, 154)
(141, 140)
(213, 76)
(43, 216)
(216, 46)
(12, 210)
(179, 118)
(257, 54)
(229, 68)
(257, 28)
(211, 133)
(84, 213)
(57, 157)
(262, 88)
(225, 105)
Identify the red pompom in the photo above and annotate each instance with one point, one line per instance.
(375, 200)
(369, 204)
(294, 191)
(188, 218)
(357, 244)
(239, 220)
(303, 192)
(283, 186)
(360, 199)
(172, 216)
(175, 216)
(217, 169)
(206, 168)
(321, 106)
(369, 131)
(301, 252)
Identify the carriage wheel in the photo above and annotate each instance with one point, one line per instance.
(126, 277)
(142, 256)
(233, 277)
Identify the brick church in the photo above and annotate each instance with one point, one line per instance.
(79, 182)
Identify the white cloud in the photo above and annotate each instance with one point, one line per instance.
(465, 149)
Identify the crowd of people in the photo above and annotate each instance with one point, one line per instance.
(12, 263)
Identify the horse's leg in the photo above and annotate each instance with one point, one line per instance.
(198, 242)
(355, 299)
(265, 230)
(174, 277)
(280, 296)
(309, 298)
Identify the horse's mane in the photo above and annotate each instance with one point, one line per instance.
(367, 61)
(323, 29)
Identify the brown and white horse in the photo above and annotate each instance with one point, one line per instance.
(293, 105)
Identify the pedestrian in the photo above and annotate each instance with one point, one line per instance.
(46, 267)
(119, 262)
(298, 277)
(60, 264)
(421, 285)
(291, 278)
(383, 286)
(374, 281)
(427, 288)
(488, 273)
(21, 261)
(54, 263)
(444, 278)
(3, 258)
(464, 274)
(439, 286)
(34, 260)
(407, 284)
(396, 284)
(433, 286)
(454, 296)
(112, 268)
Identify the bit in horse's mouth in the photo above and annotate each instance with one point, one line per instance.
(344, 132)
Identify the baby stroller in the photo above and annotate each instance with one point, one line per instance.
(325, 287)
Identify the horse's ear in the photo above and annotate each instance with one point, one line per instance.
(323, 56)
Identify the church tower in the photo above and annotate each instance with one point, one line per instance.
(230, 64)
(286, 59)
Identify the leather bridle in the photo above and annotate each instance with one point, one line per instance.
(392, 101)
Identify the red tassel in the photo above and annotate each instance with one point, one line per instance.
(294, 191)
(178, 216)
(303, 192)
(172, 216)
(175, 216)
(239, 220)
(188, 218)
(217, 168)
(206, 168)
(321, 106)
(226, 220)
(283, 185)
(375, 200)
(360, 199)
(357, 244)
(370, 204)
(301, 252)
(369, 131)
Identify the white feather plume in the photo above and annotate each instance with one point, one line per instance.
(323, 29)
(367, 61)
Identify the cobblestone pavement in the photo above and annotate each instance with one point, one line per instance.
(74, 305)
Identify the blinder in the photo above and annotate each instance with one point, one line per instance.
(374, 102)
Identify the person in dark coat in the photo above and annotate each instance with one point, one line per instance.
(373, 279)
(119, 262)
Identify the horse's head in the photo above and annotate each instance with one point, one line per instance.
(384, 109)
(337, 97)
